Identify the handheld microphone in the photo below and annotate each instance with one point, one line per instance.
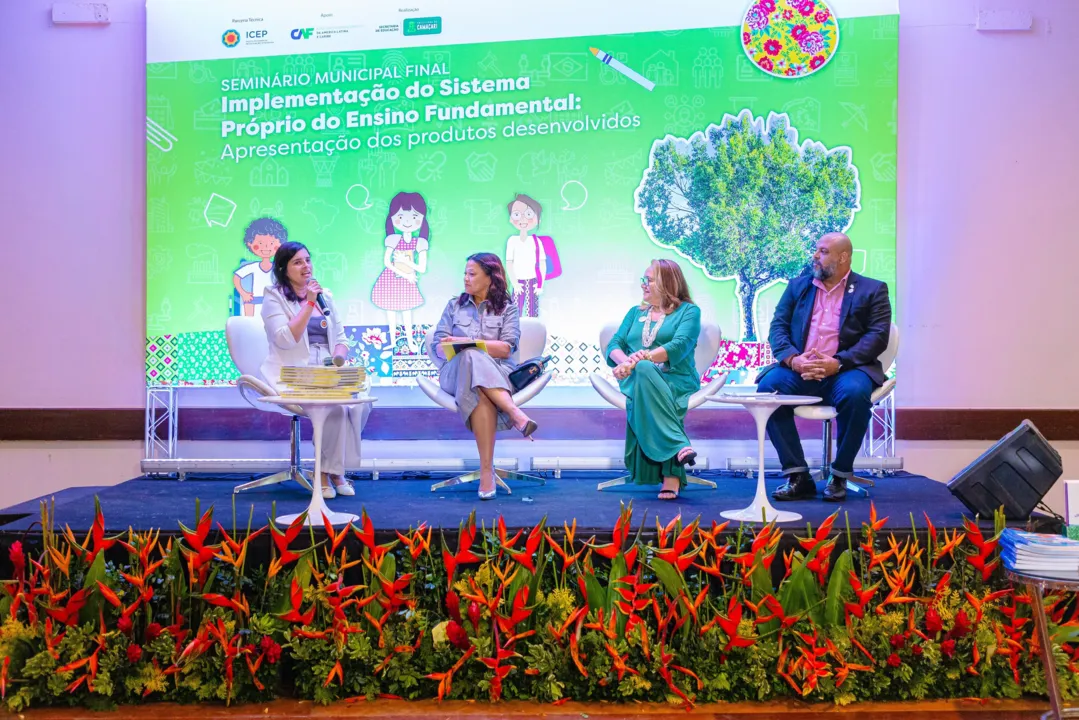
(322, 305)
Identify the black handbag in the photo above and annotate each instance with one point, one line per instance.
(525, 373)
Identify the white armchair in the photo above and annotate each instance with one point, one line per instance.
(704, 356)
(827, 413)
(533, 341)
(246, 337)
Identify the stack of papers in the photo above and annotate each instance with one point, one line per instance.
(325, 382)
(1041, 554)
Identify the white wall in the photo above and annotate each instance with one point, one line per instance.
(988, 168)
(72, 102)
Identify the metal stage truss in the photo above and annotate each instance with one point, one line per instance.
(161, 456)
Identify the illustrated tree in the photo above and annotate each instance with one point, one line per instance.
(743, 200)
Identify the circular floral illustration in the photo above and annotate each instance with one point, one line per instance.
(790, 38)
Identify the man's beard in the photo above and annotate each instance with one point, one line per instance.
(822, 273)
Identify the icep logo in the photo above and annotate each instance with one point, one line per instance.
(230, 38)
(302, 33)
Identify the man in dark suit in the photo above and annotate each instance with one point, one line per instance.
(826, 334)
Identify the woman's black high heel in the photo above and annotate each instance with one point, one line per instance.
(690, 458)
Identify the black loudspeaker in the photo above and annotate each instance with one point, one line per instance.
(1016, 473)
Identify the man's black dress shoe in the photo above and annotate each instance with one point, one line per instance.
(836, 490)
(799, 486)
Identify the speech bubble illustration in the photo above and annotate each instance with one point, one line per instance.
(574, 195)
(353, 197)
(218, 210)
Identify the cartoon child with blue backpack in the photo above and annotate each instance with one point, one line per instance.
(531, 260)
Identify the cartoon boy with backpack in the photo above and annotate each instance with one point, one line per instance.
(531, 260)
(262, 237)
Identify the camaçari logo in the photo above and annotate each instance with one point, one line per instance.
(230, 38)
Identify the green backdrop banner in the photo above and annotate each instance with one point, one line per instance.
(576, 152)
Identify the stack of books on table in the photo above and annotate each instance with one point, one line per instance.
(1052, 556)
(322, 383)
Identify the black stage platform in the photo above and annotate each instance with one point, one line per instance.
(401, 503)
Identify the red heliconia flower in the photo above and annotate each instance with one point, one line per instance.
(986, 568)
(729, 625)
(474, 615)
(18, 559)
(532, 543)
(296, 601)
(457, 635)
(464, 554)
(947, 648)
(271, 648)
(618, 539)
(282, 540)
(99, 543)
(197, 552)
(506, 542)
(453, 605)
(962, 624)
(975, 538)
(933, 623)
(417, 543)
(676, 554)
(821, 535)
(134, 653)
(69, 613)
(518, 613)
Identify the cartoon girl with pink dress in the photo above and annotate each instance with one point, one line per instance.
(396, 290)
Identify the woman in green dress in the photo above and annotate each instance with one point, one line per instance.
(652, 356)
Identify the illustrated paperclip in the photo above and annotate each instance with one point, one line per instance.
(161, 138)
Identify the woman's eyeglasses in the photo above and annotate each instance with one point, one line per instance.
(646, 281)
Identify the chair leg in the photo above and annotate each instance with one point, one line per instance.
(516, 477)
(500, 480)
(826, 458)
(616, 482)
(294, 472)
(826, 463)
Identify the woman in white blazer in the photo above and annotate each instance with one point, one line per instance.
(300, 334)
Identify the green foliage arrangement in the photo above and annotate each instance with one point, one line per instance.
(690, 616)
